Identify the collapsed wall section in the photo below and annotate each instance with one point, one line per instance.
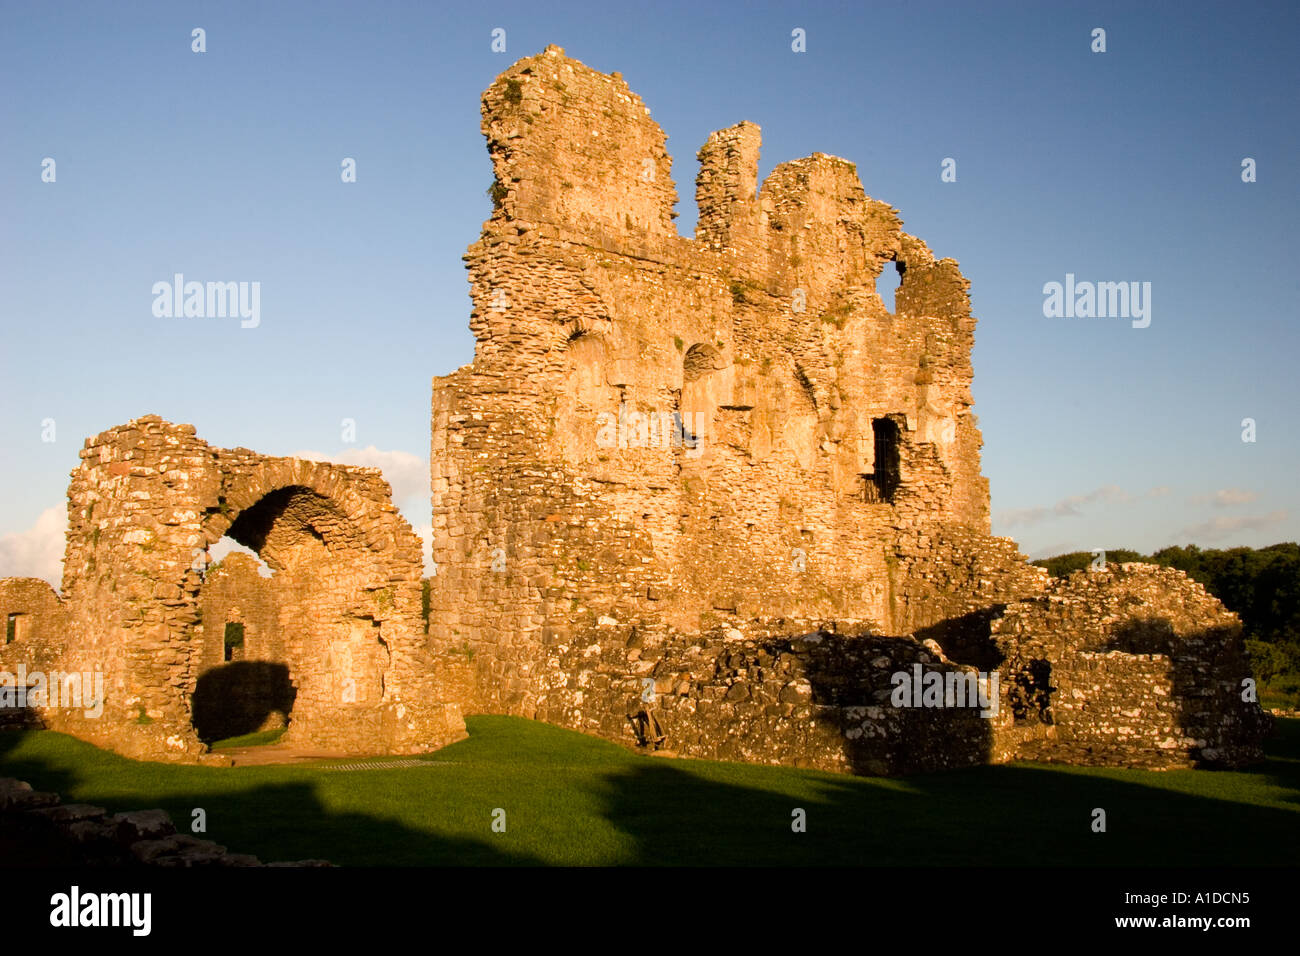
(34, 620)
(766, 693)
(1136, 665)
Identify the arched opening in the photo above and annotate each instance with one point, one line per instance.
(241, 698)
(699, 361)
(703, 391)
(291, 623)
(587, 396)
(244, 685)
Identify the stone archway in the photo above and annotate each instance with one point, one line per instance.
(324, 613)
(341, 613)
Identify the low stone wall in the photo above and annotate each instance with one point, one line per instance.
(39, 622)
(45, 831)
(1137, 667)
(821, 699)
(1143, 667)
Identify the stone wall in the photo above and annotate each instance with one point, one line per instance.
(564, 489)
(38, 622)
(1137, 666)
(662, 439)
(234, 591)
(1144, 668)
(144, 507)
(822, 698)
(40, 830)
(35, 620)
(247, 686)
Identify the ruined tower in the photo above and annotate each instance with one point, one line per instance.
(731, 424)
(712, 484)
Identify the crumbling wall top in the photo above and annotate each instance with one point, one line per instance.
(574, 147)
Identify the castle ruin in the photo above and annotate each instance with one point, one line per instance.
(708, 495)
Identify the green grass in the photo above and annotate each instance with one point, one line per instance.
(1272, 697)
(257, 739)
(577, 800)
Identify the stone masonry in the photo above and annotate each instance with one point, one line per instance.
(705, 495)
(41, 830)
(336, 630)
(1136, 665)
(711, 494)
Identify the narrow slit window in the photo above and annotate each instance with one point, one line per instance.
(884, 482)
(15, 627)
(887, 283)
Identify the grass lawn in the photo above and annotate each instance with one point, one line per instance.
(576, 800)
(255, 739)
(1270, 697)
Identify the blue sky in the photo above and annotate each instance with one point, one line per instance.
(1115, 166)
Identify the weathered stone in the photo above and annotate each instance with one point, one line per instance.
(70, 813)
(142, 825)
(721, 469)
(19, 800)
(301, 863)
(727, 441)
(332, 643)
(147, 851)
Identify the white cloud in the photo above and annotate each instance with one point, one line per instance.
(1069, 507)
(38, 551)
(425, 532)
(1020, 517)
(408, 474)
(1226, 497)
(1110, 494)
(1222, 526)
(229, 545)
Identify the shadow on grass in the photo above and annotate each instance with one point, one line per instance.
(290, 821)
(1283, 765)
(561, 788)
(1030, 816)
(1018, 814)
